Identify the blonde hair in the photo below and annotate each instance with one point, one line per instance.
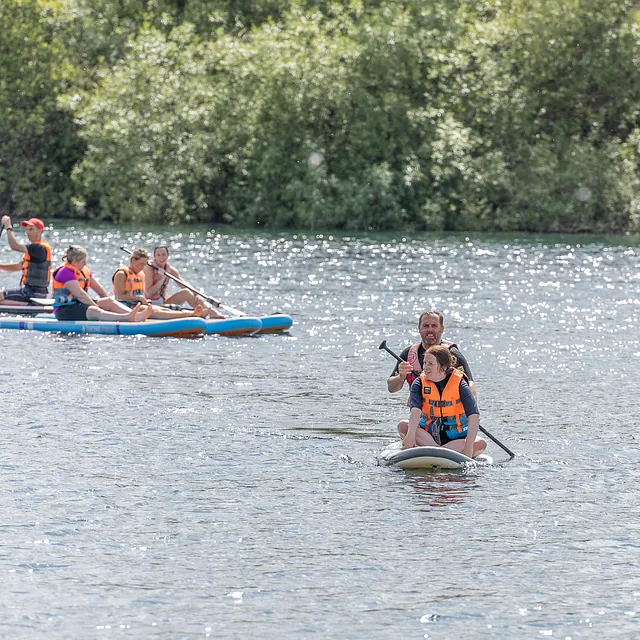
(74, 253)
(138, 253)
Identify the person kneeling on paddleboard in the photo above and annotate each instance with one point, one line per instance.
(443, 411)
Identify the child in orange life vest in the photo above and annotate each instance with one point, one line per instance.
(443, 409)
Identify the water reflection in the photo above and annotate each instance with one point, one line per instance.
(248, 466)
(440, 489)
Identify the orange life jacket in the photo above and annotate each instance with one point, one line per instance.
(62, 296)
(134, 283)
(36, 274)
(443, 412)
(414, 361)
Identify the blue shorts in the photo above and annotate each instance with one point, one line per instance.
(24, 294)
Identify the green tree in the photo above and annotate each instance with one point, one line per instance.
(38, 141)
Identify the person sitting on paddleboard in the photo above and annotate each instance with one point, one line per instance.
(129, 288)
(430, 327)
(35, 265)
(71, 283)
(443, 411)
(157, 282)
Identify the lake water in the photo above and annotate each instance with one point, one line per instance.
(228, 488)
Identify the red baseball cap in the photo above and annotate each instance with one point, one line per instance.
(34, 222)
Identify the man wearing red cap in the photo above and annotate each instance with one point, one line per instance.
(35, 264)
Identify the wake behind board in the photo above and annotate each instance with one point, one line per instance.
(428, 458)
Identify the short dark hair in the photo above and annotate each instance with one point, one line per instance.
(160, 246)
(432, 313)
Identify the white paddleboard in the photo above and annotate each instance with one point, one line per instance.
(428, 458)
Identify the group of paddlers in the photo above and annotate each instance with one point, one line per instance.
(442, 403)
(139, 288)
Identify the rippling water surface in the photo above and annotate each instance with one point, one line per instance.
(228, 488)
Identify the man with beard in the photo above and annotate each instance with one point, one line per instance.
(430, 327)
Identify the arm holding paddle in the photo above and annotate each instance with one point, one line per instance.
(153, 288)
(396, 382)
(184, 285)
(13, 243)
(17, 266)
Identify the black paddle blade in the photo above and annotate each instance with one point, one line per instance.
(383, 345)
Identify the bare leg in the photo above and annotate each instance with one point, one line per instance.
(167, 314)
(184, 295)
(423, 438)
(137, 314)
(109, 304)
(479, 445)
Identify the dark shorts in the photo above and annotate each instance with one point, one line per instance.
(24, 294)
(129, 303)
(77, 311)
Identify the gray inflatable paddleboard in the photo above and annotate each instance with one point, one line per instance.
(427, 458)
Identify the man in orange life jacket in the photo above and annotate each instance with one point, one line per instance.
(35, 264)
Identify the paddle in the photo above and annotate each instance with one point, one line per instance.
(182, 283)
(383, 345)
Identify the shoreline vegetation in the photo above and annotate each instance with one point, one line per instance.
(502, 115)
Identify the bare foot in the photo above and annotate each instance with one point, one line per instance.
(199, 312)
(146, 313)
(140, 313)
(132, 316)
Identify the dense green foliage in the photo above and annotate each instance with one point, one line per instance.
(494, 115)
